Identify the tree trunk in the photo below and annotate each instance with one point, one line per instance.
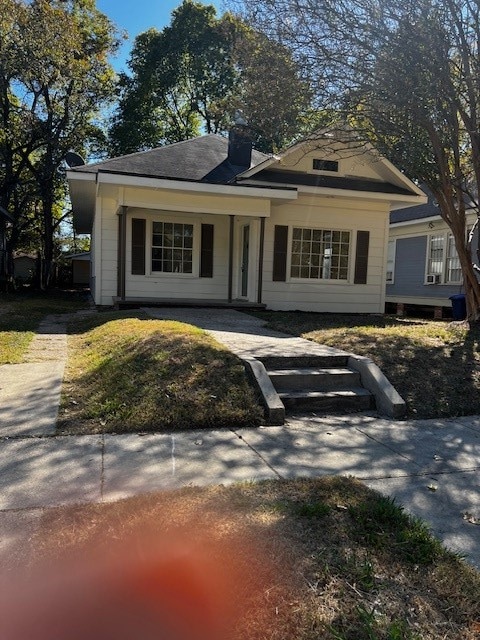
(470, 282)
(452, 211)
(48, 244)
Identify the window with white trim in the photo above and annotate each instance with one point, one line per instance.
(442, 259)
(436, 250)
(391, 261)
(454, 270)
(172, 247)
(320, 254)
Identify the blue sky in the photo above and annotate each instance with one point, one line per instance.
(136, 16)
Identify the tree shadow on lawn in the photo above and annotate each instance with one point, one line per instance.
(434, 381)
(304, 321)
(157, 381)
(438, 375)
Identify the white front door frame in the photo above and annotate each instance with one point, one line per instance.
(248, 277)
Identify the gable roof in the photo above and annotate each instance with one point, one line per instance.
(389, 180)
(202, 164)
(202, 159)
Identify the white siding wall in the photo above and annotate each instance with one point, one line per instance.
(105, 244)
(151, 204)
(171, 285)
(307, 211)
(330, 296)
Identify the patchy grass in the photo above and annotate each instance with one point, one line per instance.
(21, 313)
(434, 365)
(302, 559)
(129, 373)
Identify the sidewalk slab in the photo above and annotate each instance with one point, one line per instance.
(316, 447)
(435, 446)
(29, 398)
(45, 472)
(443, 505)
(135, 464)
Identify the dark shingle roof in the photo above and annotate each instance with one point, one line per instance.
(332, 182)
(201, 159)
(427, 210)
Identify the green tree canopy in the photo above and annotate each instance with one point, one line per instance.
(191, 76)
(54, 77)
(405, 75)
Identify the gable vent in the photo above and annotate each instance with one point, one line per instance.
(325, 165)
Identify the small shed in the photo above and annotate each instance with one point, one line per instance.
(25, 265)
(80, 268)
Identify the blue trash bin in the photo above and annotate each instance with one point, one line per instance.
(459, 306)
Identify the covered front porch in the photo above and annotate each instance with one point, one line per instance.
(224, 267)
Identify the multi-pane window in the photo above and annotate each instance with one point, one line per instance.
(454, 270)
(435, 255)
(172, 247)
(442, 259)
(320, 254)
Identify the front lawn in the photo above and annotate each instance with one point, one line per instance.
(21, 313)
(434, 365)
(127, 372)
(276, 560)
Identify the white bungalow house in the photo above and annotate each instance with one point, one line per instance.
(210, 221)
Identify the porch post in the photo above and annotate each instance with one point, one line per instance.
(230, 260)
(122, 251)
(260, 260)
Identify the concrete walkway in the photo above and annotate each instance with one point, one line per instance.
(243, 334)
(432, 467)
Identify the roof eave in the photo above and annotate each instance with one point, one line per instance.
(132, 180)
(82, 187)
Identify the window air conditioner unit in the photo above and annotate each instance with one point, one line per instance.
(433, 278)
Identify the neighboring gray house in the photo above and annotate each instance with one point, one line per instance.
(423, 268)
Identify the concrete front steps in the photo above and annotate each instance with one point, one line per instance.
(324, 383)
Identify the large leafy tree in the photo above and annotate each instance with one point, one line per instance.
(407, 76)
(191, 77)
(54, 76)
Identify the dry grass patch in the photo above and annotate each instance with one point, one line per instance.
(434, 365)
(129, 373)
(20, 315)
(301, 559)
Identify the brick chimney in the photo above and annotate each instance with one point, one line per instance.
(240, 142)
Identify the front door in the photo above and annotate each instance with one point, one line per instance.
(244, 261)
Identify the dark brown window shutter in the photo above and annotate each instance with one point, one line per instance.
(361, 258)
(206, 251)
(280, 245)
(138, 246)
